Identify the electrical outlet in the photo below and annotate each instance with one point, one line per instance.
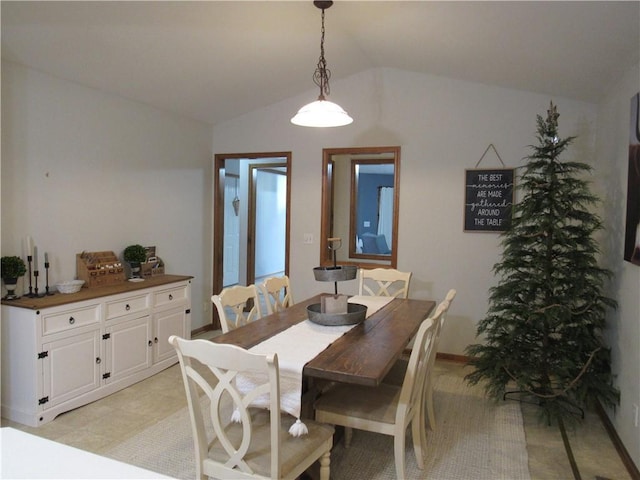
(635, 415)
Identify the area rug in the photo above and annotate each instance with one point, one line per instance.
(475, 438)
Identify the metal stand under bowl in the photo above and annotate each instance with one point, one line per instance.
(355, 312)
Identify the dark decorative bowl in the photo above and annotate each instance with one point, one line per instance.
(335, 274)
(356, 313)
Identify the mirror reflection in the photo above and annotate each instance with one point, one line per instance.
(371, 220)
(360, 194)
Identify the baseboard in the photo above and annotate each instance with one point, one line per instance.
(452, 357)
(617, 443)
(200, 330)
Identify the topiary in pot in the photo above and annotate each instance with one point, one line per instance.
(134, 255)
(12, 268)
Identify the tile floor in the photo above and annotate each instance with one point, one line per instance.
(99, 426)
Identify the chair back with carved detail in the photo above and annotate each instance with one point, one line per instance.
(385, 282)
(231, 438)
(237, 306)
(277, 293)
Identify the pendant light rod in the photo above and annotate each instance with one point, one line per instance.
(322, 74)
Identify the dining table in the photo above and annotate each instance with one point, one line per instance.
(363, 355)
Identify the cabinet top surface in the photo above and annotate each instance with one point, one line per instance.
(96, 292)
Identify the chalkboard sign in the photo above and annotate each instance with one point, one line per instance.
(488, 200)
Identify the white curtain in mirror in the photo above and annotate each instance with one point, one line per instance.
(385, 214)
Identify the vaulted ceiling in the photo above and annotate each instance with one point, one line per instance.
(215, 60)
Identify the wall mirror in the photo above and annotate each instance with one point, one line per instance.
(360, 193)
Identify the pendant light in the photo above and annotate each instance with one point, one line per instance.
(322, 113)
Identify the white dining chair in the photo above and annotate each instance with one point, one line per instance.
(277, 293)
(234, 306)
(397, 372)
(232, 439)
(386, 409)
(387, 282)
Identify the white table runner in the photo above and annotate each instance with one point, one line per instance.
(296, 346)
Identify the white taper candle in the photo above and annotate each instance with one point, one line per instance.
(29, 246)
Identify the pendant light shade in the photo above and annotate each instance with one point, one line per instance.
(322, 113)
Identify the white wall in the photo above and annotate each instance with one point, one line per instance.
(443, 127)
(86, 170)
(623, 334)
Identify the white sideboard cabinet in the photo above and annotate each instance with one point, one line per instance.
(63, 351)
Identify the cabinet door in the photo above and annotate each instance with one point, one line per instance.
(127, 348)
(70, 367)
(165, 324)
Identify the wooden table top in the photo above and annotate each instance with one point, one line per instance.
(364, 355)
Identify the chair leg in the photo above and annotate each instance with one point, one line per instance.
(398, 451)
(422, 418)
(429, 404)
(418, 437)
(348, 435)
(200, 474)
(325, 462)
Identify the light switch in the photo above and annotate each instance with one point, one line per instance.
(367, 223)
(308, 238)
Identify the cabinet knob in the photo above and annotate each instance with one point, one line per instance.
(72, 320)
(127, 307)
(150, 343)
(98, 360)
(170, 297)
(155, 340)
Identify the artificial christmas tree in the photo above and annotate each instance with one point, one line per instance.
(542, 332)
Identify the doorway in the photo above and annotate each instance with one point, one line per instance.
(252, 195)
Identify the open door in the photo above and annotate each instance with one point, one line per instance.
(252, 194)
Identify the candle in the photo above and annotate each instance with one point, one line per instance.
(35, 258)
(29, 246)
(46, 258)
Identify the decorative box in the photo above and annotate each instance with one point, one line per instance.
(99, 269)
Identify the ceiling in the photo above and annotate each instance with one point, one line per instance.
(214, 60)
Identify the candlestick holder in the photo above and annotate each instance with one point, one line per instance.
(46, 288)
(29, 260)
(35, 288)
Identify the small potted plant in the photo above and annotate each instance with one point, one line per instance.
(12, 268)
(134, 255)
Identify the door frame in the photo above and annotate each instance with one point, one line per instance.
(218, 216)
